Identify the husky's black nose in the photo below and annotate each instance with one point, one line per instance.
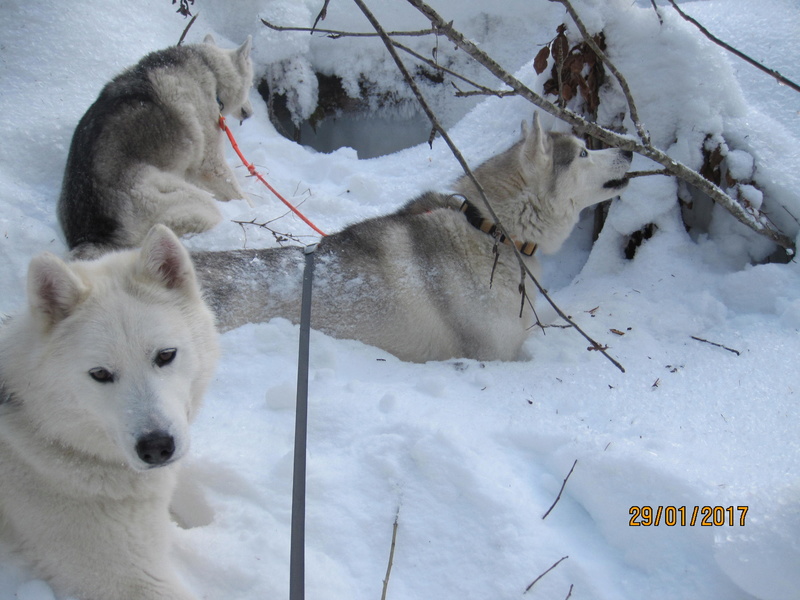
(155, 448)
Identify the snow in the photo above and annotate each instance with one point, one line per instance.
(468, 456)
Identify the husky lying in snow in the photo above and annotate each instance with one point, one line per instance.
(149, 150)
(422, 283)
(99, 381)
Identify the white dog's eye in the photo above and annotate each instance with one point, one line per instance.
(165, 356)
(101, 375)
(584, 153)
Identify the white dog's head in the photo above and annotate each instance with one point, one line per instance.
(571, 172)
(234, 79)
(120, 351)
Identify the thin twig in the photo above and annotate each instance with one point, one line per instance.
(279, 237)
(658, 14)
(609, 137)
(561, 491)
(337, 34)
(569, 593)
(643, 135)
(460, 158)
(322, 14)
(186, 29)
(736, 352)
(558, 562)
(391, 556)
(632, 174)
(780, 78)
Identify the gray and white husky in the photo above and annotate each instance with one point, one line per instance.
(99, 380)
(149, 150)
(435, 280)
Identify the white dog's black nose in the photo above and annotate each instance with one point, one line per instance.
(155, 448)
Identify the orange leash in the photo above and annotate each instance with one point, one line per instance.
(256, 174)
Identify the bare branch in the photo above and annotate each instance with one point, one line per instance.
(736, 352)
(643, 135)
(780, 78)
(337, 34)
(186, 29)
(459, 157)
(632, 174)
(279, 237)
(322, 14)
(609, 137)
(561, 491)
(532, 583)
(391, 555)
(655, 8)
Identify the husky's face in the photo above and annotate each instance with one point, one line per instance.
(586, 176)
(233, 86)
(127, 348)
(566, 174)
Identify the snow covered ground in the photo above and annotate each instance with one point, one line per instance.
(468, 456)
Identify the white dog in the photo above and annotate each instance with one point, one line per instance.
(150, 150)
(99, 381)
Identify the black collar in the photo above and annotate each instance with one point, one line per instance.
(475, 219)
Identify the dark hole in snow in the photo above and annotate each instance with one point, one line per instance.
(342, 121)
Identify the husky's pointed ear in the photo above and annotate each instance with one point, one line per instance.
(209, 39)
(537, 142)
(243, 52)
(164, 259)
(525, 129)
(54, 290)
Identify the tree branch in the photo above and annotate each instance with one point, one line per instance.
(454, 149)
(609, 137)
(561, 491)
(532, 583)
(337, 34)
(391, 556)
(780, 78)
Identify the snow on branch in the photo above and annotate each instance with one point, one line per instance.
(626, 90)
(756, 222)
(780, 78)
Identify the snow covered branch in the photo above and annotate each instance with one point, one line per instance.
(755, 222)
(780, 78)
(626, 90)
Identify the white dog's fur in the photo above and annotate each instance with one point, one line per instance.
(150, 149)
(99, 381)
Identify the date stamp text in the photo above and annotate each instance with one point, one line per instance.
(683, 516)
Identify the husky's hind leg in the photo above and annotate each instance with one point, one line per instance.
(168, 199)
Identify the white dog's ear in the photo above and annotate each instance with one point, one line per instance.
(537, 142)
(164, 259)
(53, 288)
(209, 39)
(243, 52)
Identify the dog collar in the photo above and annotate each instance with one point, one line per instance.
(475, 219)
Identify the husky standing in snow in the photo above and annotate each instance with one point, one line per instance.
(99, 381)
(434, 280)
(149, 150)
